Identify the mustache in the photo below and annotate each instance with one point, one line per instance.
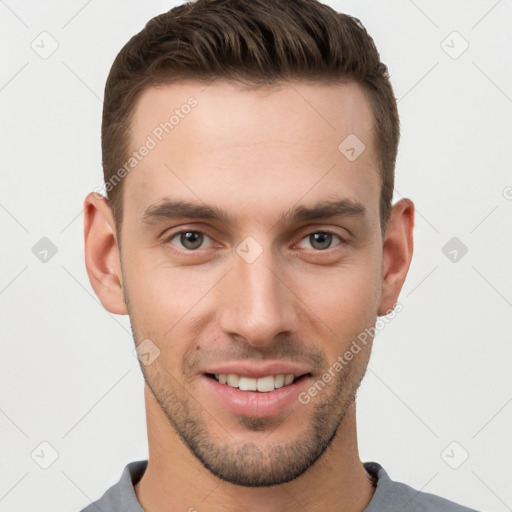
(287, 349)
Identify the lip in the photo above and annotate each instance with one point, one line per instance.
(257, 370)
(254, 404)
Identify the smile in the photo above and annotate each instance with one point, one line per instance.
(262, 384)
(263, 396)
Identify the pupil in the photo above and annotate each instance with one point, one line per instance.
(320, 240)
(191, 239)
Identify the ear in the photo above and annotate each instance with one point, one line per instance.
(397, 253)
(102, 258)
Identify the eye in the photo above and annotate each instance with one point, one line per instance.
(189, 240)
(320, 240)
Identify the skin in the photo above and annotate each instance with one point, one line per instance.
(256, 154)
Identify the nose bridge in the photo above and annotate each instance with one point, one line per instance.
(255, 304)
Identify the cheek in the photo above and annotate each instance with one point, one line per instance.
(164, 300)
(346, 300)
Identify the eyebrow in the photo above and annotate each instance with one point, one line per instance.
(324, 210)
(168, 210)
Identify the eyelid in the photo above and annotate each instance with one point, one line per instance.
(340, 232)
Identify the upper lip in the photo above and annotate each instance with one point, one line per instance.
(257, 369)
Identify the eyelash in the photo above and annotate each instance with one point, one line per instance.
(342, 241)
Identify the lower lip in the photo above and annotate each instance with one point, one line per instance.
(256, 404)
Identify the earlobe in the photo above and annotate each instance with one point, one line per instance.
(397, 253)
(102, 258)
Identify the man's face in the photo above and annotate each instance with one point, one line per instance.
(271, 289)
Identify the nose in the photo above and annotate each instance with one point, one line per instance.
(256, 303)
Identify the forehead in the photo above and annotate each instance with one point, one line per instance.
(283, 141)
(225, 113)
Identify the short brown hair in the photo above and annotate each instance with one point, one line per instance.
(255, 42)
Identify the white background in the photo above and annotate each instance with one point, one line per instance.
(441, 370)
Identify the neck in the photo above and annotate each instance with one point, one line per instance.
(176, 480)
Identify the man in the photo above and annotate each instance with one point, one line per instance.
(249, 150)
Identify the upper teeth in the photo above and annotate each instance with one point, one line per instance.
(263, 384)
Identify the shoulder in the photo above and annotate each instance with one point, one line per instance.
(121, 496)
(391, 496)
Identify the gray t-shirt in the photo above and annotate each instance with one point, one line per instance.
(389, 496)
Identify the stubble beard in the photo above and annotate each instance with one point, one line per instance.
(245, 463)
